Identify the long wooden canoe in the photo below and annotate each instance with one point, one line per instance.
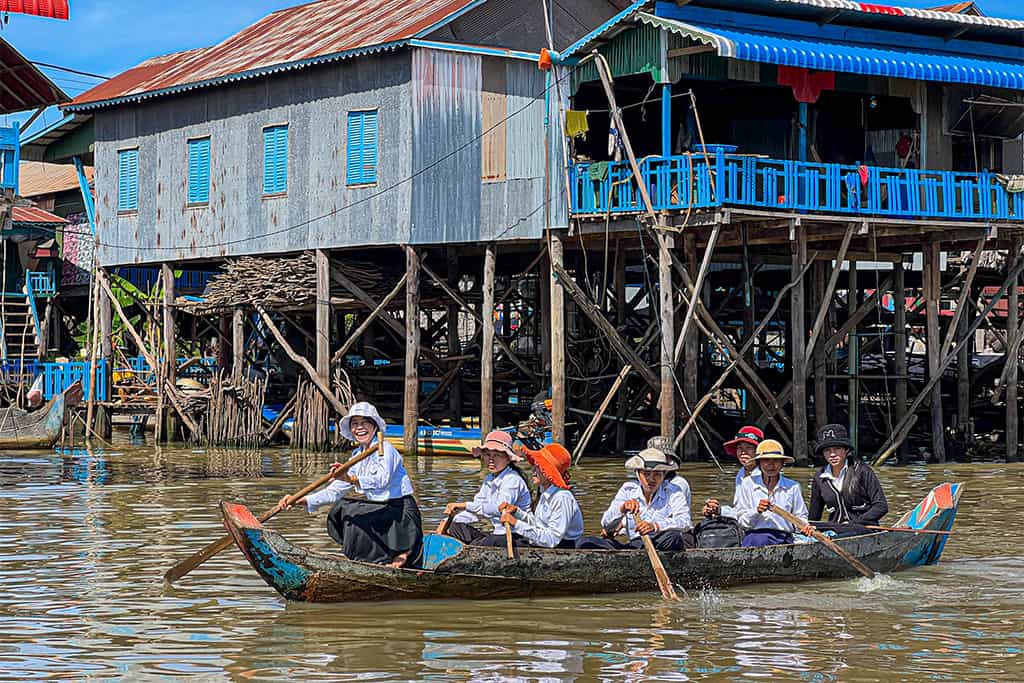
(22, 430)
(453, 570)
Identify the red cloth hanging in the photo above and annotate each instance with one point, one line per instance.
(806, 85)
(54, 9)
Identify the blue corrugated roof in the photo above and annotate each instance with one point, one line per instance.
(857, 58)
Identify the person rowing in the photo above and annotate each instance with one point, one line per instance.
(743, 448)
(557, 521)
(846, 488)
(504, 483)
(386, 527)
(656, 504)
(770, 489)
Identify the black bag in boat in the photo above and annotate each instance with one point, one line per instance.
(718, 532)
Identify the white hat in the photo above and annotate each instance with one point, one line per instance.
(652, 459)
(361, 409)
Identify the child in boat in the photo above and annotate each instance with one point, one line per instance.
(756, 494)
(386, 527)
(657, 504)
(743, 448)
(845, 487)
(504, 483)
(557, 522)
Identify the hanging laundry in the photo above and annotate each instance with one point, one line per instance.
(806, 84)
(1012, 183)
(597, 170)
(576, 124)
(614, 142)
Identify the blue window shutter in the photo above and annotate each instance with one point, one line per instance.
(361, 154)
(275, 160)
(199, 171)
(128, 180)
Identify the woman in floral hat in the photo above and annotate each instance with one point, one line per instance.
(557, 521)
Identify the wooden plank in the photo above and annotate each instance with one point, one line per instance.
(666, 290)
(363, 326)
(487, 351)
(798, 248)
(323, 315)
(410, 403)
(556, 254)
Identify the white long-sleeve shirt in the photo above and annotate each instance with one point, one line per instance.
(506, 486)
(730, 510)
(669, 507)
(557, 518)
(787, 495)
(382, 477)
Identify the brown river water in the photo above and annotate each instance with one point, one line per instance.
(85, 539)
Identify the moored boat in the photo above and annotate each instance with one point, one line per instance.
(23, 430)
(453, 570)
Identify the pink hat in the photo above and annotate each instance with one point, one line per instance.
(495, 441)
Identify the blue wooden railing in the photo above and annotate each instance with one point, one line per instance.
(42, 282)
(146, 278)
(695, 181)
(59, 376)
(199, 372)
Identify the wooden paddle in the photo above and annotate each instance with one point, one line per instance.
(664, 583)
(508, 541)
(832, 545)
(442, 528)
(908, 530)
(185, 566)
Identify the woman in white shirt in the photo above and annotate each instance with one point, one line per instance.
(657, 504)
(504, 483)
(758, 493)
(386, 527)
(557, 521)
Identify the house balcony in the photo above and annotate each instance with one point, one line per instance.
(704, 181)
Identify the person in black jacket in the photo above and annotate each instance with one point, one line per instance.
(845, 487)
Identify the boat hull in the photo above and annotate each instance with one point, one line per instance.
(457, 571)
(21, 430)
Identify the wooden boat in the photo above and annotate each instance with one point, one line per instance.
(453, 570)
(22, 430)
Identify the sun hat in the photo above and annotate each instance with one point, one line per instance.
(749, 434)
(554, 461)
(663, 444)
(361, 409)
(832, 435)
(495, 441)
(652, 459)
(770, 449)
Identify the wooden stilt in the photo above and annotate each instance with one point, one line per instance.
(932, 286)
(487, 352)
(1012, 360)
(853, 358)
(822, 299)
(557, 336)
(454, 344)
(412, 350)
(323, 315)
(367, 322)
(691, 349)
(170, 358)
(666, 298)
(963, 384)
(900, 345)
(238, 342)
(799, 360)
(619, 285)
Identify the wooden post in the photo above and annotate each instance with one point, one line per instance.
(691, 349)
(963, 363)
(1012, 358)
(619, 285)
(823, 300)
(170, 359)
(932, 285)
(323, 315)
(900, 345)
(487, 353)
(544, 289)
(853, 357)
(238, 342)
(412, 347)
(799, 335)
(454, 343)
(105, 319)
(666, 298)
(557, 324)
(224, 350)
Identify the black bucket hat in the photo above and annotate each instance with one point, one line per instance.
(832, 435)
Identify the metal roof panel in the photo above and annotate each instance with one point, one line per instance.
(32, 214)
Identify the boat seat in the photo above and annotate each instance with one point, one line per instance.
(437, 549)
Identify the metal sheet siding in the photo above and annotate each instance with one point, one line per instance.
(318, 210)
(446, 147)
(525, 109)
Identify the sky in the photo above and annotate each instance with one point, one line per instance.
(105, 37)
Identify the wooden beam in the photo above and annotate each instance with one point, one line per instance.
(237, 342)
(822, 299)
(691, 342)
(825, 302)
(619, 285)
(862, 312)
(323, 315)
(339, 355)
(556, 255)
(900, 340)
(487, 352)
(1012, 362)
(798, 248)
(170, 335)
(666, 292)
(852, 359)
(931, 277)
(454, 343)
(410, 403)
(589, 432)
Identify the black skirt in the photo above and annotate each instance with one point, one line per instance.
(374, 532)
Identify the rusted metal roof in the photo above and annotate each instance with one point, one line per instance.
(24, 86)
(54, 9)
(38, 178)
(31, 214)
(287, 39)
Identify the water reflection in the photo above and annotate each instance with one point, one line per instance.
(85, 536)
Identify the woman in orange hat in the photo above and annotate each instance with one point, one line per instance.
(557, 522)
(758, 495)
